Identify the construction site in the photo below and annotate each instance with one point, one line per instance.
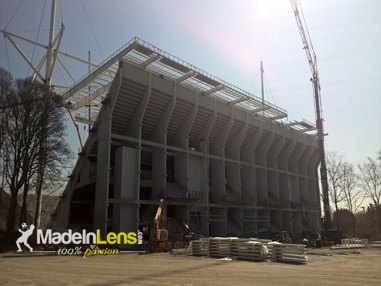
(213, 180)
(222, 159)
(216, 154)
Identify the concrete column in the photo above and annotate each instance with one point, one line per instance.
(262, 149)
(158, 172)
(260, 159)
(218, 176)
(233, 170)
(103, 175)
(126, 188)
(218, 168)
(285, 154)
(234, 149)
(273, 153)
(248, 153)
(159, 154)
(182, 136)
(249, 222)
(248, 174)
(182, 140)
(134, 126)
(160, 132)
(295, 157)
(235, 224)
(203, 138)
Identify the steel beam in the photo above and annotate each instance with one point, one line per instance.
(214, 89)
(98, 71)
(185, 77)
(238, 100)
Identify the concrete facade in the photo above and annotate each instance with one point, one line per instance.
(222, 169)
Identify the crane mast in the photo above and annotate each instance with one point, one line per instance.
(311, 57)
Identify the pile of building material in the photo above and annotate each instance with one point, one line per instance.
(199, 247)
(351, 243)
(220, 246)
(248, 249)
(292, 253)
(376, 244)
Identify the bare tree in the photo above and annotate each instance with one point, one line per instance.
(335, 174)
(370, 178)
(6, 81)
(29, 113)
(353, 196)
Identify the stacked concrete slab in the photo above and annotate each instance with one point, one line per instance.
(248, 249)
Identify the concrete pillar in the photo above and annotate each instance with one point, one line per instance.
(158, 172)
(134, 126)
(218, 176)
(260, 159)
(203, 138)
(159, 154)
(126, 188)
(103, 175)
(182, 159)
(249, 174)
(233, 170)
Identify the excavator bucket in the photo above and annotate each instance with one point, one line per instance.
(162, 235)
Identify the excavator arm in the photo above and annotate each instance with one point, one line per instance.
(160, 221)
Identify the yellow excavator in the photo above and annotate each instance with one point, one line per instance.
(160, 221)
(168, 233)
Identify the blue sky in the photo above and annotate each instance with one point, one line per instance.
(228, 39)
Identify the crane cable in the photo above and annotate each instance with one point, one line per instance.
(76, 126)
(7, 54)
(38, 34)
(14, 13)
(92, 29)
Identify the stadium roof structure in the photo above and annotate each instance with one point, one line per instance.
(303, 126)
(93, 87)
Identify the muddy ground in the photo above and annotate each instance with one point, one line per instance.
(331, 268)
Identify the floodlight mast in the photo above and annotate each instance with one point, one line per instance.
(311, 57)
(49, 58)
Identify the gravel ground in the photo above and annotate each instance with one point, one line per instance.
(347, 268)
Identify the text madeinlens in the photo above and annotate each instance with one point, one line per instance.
(84, 237)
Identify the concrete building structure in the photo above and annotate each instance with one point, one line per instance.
(218, 155)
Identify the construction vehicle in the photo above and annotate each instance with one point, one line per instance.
(311, 57)
(327, 237)
(169, 232)
(280, 236)
(332, 236)
(311, 239)
(161, 222)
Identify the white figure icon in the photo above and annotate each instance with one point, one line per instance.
(24, 238)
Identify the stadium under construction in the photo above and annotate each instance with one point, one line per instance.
(221, 157)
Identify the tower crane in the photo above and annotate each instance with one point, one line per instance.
(311, 57)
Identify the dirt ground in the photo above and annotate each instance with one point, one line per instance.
(164, 269)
